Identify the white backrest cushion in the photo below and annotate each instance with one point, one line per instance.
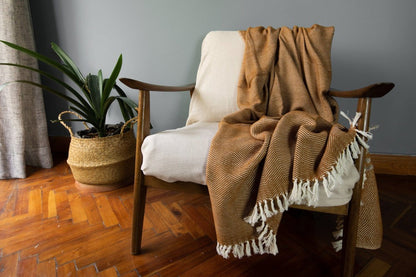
(215, 94)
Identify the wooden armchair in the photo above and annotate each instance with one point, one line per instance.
(142, 181)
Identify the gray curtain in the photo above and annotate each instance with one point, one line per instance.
(23, 131)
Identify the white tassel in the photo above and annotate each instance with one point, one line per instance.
(355, 150)
(353, 122)
(307, 193)
(362, 142)
(338, 233)
(295, 191)
(238, 250)
(263, 233)
(261, 227)
(270, 243)
(224, 250)
(267, 212)
(248, 249)
(326, 186)
(254, 217)
(261, 249)
(331, 181)
(280, 205)
(273, 207)
(337, 245)
(256, 250)
(285, 202)
(315, 193)
(261, 212)
(375, 127)
(368, 135)
(265, 243)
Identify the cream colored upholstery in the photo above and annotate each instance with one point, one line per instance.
(215, 91)
(180, 154)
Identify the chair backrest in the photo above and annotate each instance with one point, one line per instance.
(215, 94)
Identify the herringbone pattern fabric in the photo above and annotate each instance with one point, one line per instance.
(282, 145)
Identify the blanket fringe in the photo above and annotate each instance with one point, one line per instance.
(267, 208)
(338, 234)
(303, 192)
(306, 192)
(264, 244)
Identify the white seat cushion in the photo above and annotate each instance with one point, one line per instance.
(179, 154)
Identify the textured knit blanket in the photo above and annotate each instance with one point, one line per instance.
(284, 144)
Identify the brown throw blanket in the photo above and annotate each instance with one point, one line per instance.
(283, 145)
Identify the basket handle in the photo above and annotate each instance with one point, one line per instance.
(66, 126)
(131, 120)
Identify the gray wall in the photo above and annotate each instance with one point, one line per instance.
(160, 41)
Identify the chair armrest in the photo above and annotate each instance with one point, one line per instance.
(372, 91)
(134, 84)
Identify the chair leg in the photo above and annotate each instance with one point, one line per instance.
(348, 247)
(138, 217)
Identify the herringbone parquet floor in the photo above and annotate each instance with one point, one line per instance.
(48, 228)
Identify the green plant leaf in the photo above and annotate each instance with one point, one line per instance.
(123, 110)
(53, 78)
(130, 111)
(107, 105)
(94, 90)
(109, 84)
(45, 60)
(129, 102)
(68, 62)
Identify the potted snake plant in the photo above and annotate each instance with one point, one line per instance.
(101, 157)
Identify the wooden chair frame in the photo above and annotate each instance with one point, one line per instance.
(141, 182)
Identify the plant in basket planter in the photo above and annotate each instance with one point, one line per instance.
(101, 157)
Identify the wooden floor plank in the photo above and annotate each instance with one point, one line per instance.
(132, 273)
(69, 241)
(181, 266)
(156, 221)
(27, 267)
(62, 205)
(17, 238)
(49, 228)
(8, 188)
(77, 209)
(375, 268)
(51, 204)
(47, 268)
(171, 252)
(35, 202)
(63, 235)
(106, 212)
(187, 222)
(123, 217)
(67, 270)
(169, 218)
(9, 205)
(22, 202)
(91, 210)
(99, 243)
(9, 265)
(87, 271)
(109, 272)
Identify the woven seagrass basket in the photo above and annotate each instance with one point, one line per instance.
(102, 163)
